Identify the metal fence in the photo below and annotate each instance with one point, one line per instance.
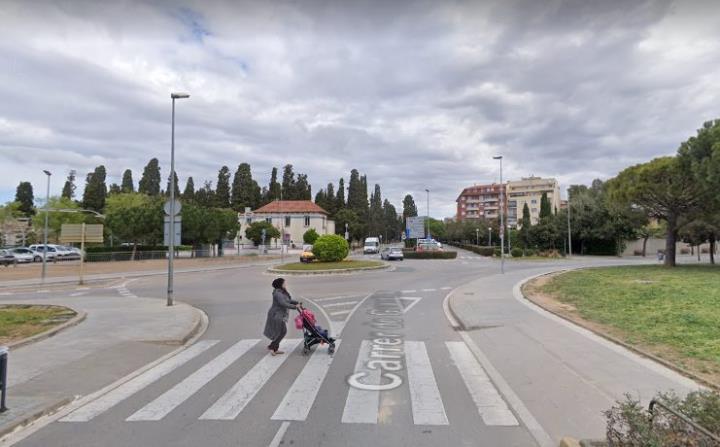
(704, 437)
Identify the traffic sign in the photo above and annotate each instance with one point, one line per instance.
(178, 230)
(178, 207)
(74, 233)
(415, 227)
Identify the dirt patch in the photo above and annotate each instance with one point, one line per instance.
(706, 371)
(20, 321)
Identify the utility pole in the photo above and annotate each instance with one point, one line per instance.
(171, 235)
(427, 233)
(569, 232)
(47, 212)
(502, 218)
(477, 236)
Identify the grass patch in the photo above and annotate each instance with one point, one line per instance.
(18, 321)
(314, 266)
(673, 313)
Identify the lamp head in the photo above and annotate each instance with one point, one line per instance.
(179, 95)
(47, 173)
(497, 157)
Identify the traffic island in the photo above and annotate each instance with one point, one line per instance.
(315, 267)
(22, 324)
(668, 315)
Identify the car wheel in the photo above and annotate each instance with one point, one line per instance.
(37, 259)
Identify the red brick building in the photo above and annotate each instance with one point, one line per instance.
(480, 201)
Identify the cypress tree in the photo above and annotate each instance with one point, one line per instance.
(189, 193)
(68, 191)
(127, 184)
(175, 183)
(340, 198)
(95, 190)
(409, 208)
(24, 196)
(222, 189)
(330, 200)
(150, 180)
(545, 208)
(288, 183)
(274, 187)
(114, 189)
(245, 190)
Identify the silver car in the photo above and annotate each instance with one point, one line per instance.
(7, 258)
(25, 255)
(392, 253)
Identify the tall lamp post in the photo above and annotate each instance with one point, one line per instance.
(427, 232)
(477, 236)
(502, 218)
(489, 236)
(45, 233)
(569, 233)
(171, 236)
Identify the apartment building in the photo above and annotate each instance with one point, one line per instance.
(530, 190)
(479, 201)
(291, 217)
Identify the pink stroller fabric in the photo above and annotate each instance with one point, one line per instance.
(306, 314)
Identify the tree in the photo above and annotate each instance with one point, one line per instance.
(340, 197)
(392, 229)
(114, 188)
(245, 190)
(330, 200)
(302, 188)
(347, 216)
(150, 180)
(189, 192)
(288, 183)
(545, 208)
(25, 198)
(175, 184)
(330, 248)
(95, 190)
(68, 190)
(409, 208)
(357, 195)
(664, 190)
(57, 219)
(273, 190)
(135, 218)
(525, 225)
(205, 196)
(222, 188)
(127, 184)
(310, 236)
(376, 217)
(254, 232)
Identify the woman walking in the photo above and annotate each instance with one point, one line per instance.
(277, 317)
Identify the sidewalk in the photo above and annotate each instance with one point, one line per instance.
(118, 336)
(566, 376)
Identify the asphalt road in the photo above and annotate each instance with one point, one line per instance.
(401, 376)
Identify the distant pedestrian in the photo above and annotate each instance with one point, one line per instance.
(277, 317)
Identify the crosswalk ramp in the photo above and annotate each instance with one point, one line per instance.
(380, 366)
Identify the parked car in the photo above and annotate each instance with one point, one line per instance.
(307, 255)
(49, 252)
(428, 246)
(70, 252)
(392, 253)
(7, 258)
(25, 255)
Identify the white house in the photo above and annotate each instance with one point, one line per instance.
(292, 218)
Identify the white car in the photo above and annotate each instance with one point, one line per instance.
(51, 254)
(25, 255)
(70, 252)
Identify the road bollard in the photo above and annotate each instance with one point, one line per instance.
(3, 377)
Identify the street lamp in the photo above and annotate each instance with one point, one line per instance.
(502, 218)
(569, 233)
(47, 211)
(171, 236)
(477, 236)
(489, 236)
(427, 233)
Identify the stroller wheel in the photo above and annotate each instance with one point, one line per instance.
(331, 349)
(306, 350)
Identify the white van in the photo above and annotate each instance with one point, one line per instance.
(372, 246)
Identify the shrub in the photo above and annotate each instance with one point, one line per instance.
(254, 232)
(310, 236)
(411, 254)
(496, 252)
(477, 249)
(330, 248)
(516, 252)
(530, 252)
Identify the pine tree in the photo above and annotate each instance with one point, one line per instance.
(545, 208)
(95, 190)
(24, 196)
(340, 197)
(288, 183)
(302, 188)
(222, 188)
(409, 208)
(150, 181)
(177, 187)
(390, 222)
(127, 184)
(273, 189)
(114, 189)
(377, 226)
(321, 199)
(205, 196)
(68, 191)
(330, 200)
(245, 190)
(189, 193)
(525, 224)
(354, 200)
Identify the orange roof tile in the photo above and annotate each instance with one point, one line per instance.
(290, 206)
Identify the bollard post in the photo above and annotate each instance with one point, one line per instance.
(3, 377)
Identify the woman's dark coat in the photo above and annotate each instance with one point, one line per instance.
(277, 316)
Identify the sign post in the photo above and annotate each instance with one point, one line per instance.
(81, 233)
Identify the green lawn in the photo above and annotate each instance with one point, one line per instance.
(22, 321)
(675, 313)
(299, 266)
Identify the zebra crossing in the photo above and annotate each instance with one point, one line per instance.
(363, 405)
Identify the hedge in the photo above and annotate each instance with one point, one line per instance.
(125, 248)
(411, 254)
(516, 252)
(330, 248)
(477, 249)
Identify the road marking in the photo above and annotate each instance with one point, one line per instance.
(43, 291)
(78, 293)
(298, 401)
(236, 398)
(109, 400)
(82, 288)
(344, 303)
(333, 298)
(361, 406)
(446, 288)
(163, 405)
(428, 290)
(490, 405)
(427, 405)
(408, 291)
(414, 299)
(277, 440)
(340, 312)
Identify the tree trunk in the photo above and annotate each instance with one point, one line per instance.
(698, 250)
(670, 241)
(712, 249)
(132, 257)
(644, 250)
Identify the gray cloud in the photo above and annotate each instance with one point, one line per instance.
(415, 94)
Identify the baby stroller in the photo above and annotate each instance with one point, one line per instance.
(312, 333)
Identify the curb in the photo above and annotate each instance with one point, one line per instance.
(328, 272)
(610, 338)
(48, 410)
(74, 321)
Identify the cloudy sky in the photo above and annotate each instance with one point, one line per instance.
(414, 94)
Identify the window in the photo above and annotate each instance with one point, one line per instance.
(248, 220)
(287, 221)
(533, 201)
(307, 221)
(268, 220)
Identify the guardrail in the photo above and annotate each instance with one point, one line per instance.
(3, 377)
(699, 428)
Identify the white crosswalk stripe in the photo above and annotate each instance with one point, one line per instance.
(236, 398)
(361, 406)
(490, 405)
(163, 405)
(296, 404)
(344, 303)
(109, 400)
(427, 405)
